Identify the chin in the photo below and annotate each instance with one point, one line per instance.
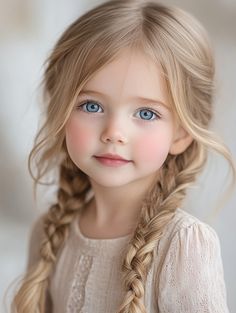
(109, 182)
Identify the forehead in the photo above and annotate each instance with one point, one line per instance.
(131, 74)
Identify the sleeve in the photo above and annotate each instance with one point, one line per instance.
(192, 276)
(36, 236)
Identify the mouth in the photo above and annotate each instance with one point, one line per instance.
(111, 160)
(111, 157)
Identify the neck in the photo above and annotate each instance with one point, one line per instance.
(117, 205)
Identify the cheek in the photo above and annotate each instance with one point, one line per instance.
(152, 148)
(78, 136)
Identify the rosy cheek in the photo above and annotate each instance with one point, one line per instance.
(78, 136)
(151, 148)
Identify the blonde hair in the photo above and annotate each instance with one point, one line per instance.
(177, 41)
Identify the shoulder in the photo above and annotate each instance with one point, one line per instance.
(35, 238)
(189, 245)
(185, 235)
(185, 223)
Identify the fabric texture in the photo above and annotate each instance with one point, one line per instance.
(186, 275)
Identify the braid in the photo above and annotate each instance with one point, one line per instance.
(73, 187)
(158, 209)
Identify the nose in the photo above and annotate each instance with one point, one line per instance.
(114, 132)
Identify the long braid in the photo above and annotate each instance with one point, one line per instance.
(157, 211)
(73, 187)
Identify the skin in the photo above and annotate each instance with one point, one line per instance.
(119, 126)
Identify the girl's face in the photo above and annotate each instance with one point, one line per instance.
(123, 110)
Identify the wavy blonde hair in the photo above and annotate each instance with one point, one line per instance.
(177, 41)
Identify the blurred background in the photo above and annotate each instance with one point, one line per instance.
(28, 31)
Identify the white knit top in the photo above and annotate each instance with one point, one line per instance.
(187, 263)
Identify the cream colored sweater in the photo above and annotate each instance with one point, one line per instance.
(187, 260)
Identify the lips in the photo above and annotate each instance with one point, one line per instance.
(111, 157)
(111, 160)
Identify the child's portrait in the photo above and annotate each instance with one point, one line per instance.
(130, 164)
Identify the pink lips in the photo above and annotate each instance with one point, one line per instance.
(112, 160)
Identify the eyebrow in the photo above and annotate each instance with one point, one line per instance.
(142, 99)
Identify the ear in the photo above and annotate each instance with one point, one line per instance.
(181, 141)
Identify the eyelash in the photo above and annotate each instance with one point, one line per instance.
(157, 115)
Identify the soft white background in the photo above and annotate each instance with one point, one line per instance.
(28, 30)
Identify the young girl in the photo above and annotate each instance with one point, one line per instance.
(129, 92)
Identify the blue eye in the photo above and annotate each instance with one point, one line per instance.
(147, 115)
(90, 107)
